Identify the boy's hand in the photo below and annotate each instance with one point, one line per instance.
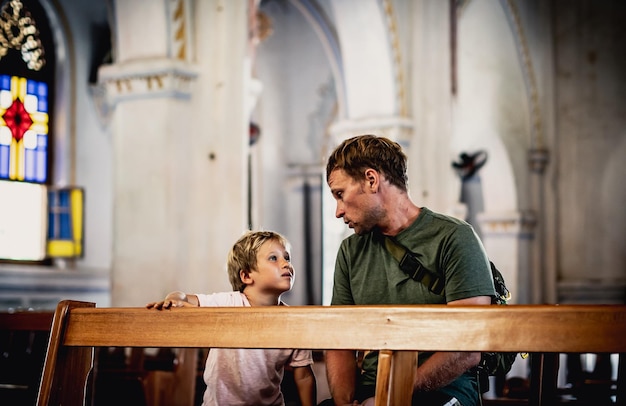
(168, 304)
(174, 299)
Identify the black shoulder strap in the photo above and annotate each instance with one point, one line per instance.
(410, 265)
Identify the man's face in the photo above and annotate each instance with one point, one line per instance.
(357, 204)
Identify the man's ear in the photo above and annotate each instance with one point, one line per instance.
(372, 178)
(246, 277)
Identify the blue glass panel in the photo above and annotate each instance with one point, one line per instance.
(42, 105)
(31, 86)
(64, 199)
(42, 90)
(5, 82)
(40, 175)
(29, 165)
(4, 161)
(65, 222)
(51, 223)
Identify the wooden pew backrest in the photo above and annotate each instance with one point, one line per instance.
(78, 327)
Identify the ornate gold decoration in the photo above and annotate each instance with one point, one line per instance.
(179, 30)
(263, 26)
(392, 26)
(18, 31)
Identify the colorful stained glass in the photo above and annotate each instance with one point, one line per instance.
(65, 222)
(23, 129)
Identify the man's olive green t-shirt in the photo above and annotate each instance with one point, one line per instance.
(366, 273)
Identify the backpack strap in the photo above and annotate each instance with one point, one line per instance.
(410, 265)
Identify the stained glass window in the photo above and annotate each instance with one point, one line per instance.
(37, 221)
(23, 129)
(65, 222)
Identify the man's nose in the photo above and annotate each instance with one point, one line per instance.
(339, 212)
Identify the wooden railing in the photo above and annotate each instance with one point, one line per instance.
(398, 332)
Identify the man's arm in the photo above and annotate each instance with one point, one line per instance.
(444, 367)
(341, 373)
(306, 384)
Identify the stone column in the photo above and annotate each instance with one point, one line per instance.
(179, 131)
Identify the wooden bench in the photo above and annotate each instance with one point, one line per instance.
(397, 331)
(23, 341)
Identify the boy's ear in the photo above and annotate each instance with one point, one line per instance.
(245, 277)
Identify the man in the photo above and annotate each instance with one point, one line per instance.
(367, 177)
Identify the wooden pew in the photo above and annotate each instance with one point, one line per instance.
(397, 331)
(23, 340)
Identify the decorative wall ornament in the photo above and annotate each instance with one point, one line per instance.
(179, 28)
(18, 31)
(141, 79)
(469, 164)
(519, 224)
(392, 26)
(467, 168)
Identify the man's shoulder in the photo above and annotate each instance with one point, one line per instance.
(441, 217)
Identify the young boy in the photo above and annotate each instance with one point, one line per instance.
(260, 271)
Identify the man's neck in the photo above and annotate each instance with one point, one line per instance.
(400, 216)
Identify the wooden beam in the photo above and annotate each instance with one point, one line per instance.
(516, 328)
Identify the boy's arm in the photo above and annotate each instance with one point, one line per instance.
(175, 299)
(306, 384)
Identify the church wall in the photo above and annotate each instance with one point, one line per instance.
(93, 144)
(294, 109)
(590, 99)
(491, 113)
(577, 201)
(83, 159)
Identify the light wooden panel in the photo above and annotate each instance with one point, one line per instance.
(526, 328)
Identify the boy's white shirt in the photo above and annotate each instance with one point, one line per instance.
(245, 376)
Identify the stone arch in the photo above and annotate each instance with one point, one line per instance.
(65, 137)
(492, 113)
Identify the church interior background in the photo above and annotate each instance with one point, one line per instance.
(140, 138)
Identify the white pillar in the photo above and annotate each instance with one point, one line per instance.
(179, 127)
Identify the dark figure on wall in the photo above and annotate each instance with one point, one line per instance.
(467, 168)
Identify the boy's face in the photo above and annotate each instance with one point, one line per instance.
(274, 270)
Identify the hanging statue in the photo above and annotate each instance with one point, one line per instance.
(471, 188)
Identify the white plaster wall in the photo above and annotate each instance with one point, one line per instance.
(93, 165)
(294, 71)
(491, 111)
(591, 83)
(432, 183)
(367, 59)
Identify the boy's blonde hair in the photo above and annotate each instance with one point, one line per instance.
(242, 255)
